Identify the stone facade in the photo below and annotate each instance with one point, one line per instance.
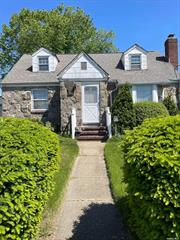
(17, 103)
(103, 102)
(67, 102)
(170, 91)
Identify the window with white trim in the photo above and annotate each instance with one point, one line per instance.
(135, 61)
(43, 64)
(39, 99)
(143, 93)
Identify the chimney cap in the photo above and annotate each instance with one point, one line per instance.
(171, 35)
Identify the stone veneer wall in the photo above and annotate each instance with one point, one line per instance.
(17, 103)
(103, 102)
(68, 102)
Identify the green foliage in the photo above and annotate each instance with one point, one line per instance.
(145, 110)
(114, 158)
(153, 176)
(60, 30)
(29, 158)
(170, 105)
(123, 108)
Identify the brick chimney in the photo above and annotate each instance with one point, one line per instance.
(171, 50)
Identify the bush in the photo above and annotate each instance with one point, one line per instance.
(170, 105)
(29, 157)
(145, 110)
(153, 176)
(123, 109)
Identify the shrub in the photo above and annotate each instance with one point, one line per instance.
(170, 105)
(123, 109)
(145, 110)
(153, 175)
(29, 157)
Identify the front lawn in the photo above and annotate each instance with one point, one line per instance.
(115, 162)
(69, 149)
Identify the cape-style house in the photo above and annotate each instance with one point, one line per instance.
(53, 87)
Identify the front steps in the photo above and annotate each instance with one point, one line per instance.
(92, 133)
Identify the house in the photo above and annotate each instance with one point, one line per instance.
(48, 86)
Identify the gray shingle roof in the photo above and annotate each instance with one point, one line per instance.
(158, 70)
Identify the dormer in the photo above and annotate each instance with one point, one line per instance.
(135, 58)
(44, 61)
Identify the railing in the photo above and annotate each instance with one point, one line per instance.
(108, 121)
(73, 123)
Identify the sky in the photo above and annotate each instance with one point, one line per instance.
(146, 22)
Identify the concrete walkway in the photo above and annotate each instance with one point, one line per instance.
(88, 211)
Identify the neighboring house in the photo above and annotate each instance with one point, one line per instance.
(48, 86)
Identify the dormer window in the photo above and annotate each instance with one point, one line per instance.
(83, 65)
(44, 64)
(135, 61)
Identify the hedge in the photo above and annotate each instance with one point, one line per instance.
(122, 108)
(170, 105)
(152, 169)
(29, 157)
(145, 110)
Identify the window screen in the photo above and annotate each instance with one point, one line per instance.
(135, 62)
(40, 99)
(91, 94)
(144, 93)
(43, 64)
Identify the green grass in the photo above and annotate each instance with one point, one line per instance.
(69, 150)
(114, 158)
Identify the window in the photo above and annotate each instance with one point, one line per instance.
(135, 62)
(91, 94)
(43, 64)
(40, 99)
(83, 65)
(144, 93)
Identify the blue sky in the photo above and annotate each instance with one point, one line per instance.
(146, 22)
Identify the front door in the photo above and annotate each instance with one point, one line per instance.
(90, 103)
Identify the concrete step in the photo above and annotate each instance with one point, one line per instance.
(94, 132)
(91, 137)
(92, 128)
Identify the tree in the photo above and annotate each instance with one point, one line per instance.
(60, 30)
(123, 109)
(170, 105)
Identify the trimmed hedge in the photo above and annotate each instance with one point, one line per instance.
(170, 105)
(29, 157)
(145, 110)
(152, 155)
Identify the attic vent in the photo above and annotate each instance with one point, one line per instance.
(83, 65)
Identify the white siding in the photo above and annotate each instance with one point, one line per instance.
(154, 93)
(134, 94)
(52, 61)
(76, 72)
(126, 59)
